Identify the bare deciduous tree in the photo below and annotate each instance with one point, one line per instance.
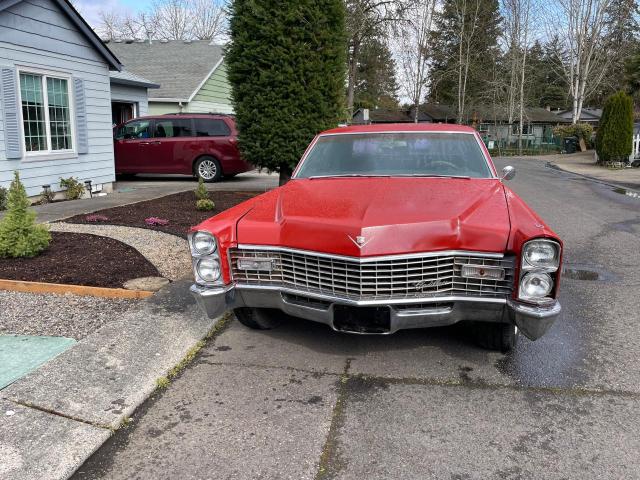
(208, 19)
(168, 19)
(413, 41)
(580, 26)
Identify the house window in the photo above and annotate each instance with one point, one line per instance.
(483, 127)
(46, 113)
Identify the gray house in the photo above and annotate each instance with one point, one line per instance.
(129, 96)
(55, 92)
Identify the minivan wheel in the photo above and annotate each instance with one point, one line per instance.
(208, 169)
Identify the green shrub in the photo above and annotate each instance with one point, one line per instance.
(3, 198)
(580, 130)
(205, 205)
(201, 192)
(20, 235)
(73, 188)
(614, 137)
(46, 196)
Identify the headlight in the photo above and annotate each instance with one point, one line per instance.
(203, 243)
(208, 269)
(535, 285)
(541, 254)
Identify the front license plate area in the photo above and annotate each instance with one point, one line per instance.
(362, 319)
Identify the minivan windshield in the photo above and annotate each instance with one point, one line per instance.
(429, 154)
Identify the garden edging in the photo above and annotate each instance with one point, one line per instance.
(61, 289)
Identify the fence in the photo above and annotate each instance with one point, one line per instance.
(505, 139)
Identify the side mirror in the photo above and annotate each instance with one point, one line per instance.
(508, 173)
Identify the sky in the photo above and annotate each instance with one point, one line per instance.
(90, 8)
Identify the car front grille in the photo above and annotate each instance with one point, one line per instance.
(384, 278)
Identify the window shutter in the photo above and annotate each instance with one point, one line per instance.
(82, 133)
(13, 142)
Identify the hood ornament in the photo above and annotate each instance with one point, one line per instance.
(359, 241)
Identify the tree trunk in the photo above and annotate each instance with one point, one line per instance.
(285, 174)
(351, 77)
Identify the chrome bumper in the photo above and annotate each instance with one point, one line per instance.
(533, 321)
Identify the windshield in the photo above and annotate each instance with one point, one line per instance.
(396, 154)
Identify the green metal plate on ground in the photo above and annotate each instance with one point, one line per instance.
(20, 354)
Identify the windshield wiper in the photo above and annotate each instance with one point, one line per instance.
(348, 175)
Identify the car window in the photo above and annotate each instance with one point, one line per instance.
(207, 127)
(396, 154)
(172, 128)
(134, 130)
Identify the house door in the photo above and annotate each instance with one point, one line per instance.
(122, 112)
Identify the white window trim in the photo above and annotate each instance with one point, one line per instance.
(48, 154)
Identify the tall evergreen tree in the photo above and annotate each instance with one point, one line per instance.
(465, 38)
(285, 63)
(621, 40)
(376, 85)
(547, 86)
(614, 138)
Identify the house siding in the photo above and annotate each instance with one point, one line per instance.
(160, 108)
(214, 95)
(36, 34)
(126, 93)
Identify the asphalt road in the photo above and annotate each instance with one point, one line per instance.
(304, 402)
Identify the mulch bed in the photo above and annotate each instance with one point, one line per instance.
(179, 209)
(80, 259)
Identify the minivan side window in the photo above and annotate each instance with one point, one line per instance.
(134, 130)
(172, 128)
(208, 127)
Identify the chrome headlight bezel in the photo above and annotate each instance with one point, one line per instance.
(205, 252)
(547, 270)
(551, 265)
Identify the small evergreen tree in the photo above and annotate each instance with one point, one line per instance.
(201, 192)
(20, 236)
(285, 63)
(614, 137)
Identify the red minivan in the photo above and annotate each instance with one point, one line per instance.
(203, 145)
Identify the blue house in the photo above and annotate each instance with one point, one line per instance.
(56, 80)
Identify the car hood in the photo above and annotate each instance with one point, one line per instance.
(393, 215)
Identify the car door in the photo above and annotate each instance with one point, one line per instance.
(172, 144)
(131, 146)
(217, 139)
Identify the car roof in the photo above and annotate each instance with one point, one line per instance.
(184, 115)
(400, 127)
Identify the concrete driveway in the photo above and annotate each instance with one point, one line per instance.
(303, 402)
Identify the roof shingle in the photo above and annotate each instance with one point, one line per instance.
(179, 67)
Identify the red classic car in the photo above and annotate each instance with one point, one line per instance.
(383, 228)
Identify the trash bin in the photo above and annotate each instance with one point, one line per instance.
(570, 145)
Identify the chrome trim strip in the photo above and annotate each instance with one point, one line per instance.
(442, 253)
(347, 301)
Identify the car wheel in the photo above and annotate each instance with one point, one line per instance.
(259, 318)
(208, 169)
(502, 337)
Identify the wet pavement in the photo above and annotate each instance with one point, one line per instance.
(305, 402)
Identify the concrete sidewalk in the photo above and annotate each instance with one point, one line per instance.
(584, 164)
(54, 418)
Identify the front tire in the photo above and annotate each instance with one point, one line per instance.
(208, 169)
(502, 337)
(258, 318)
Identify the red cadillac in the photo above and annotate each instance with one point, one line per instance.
(384, 228)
